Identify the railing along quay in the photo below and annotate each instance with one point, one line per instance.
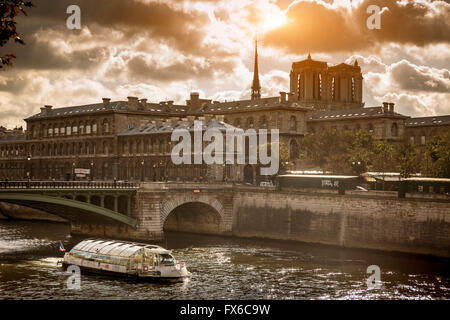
(67, 185)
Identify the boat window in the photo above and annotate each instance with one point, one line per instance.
(166, 259)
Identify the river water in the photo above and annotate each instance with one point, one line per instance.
(221, 267)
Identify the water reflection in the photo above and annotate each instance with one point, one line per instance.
(222, 268)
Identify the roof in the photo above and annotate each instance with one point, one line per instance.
(167, 127)
(244, 105)
(155, 108)
(425, 179)
(428, 121)
(115, 248)
(355, 113)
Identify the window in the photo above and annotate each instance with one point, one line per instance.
(422, 139)
(69, 130)
(105, 126)
(394, 130)
(293, 123)
(81, 126)
(370, 128)
(88, 129)
(94, 127)
(411, 139)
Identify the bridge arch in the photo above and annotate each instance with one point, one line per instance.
(185, 213)
(67, 208)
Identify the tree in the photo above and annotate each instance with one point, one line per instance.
(328, 149)
(438, 155)
(9, 10)
(362, 151)
(407, 159)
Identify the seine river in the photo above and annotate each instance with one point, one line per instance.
(221, 267)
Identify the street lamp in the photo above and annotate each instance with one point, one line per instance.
(28, 167)
(92, 170)
(142, 170)
(73, 171)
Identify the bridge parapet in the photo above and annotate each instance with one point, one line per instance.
(67, 185)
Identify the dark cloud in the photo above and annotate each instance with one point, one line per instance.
(414, 78)
(160, 22)
(318, 26)
(141, 68)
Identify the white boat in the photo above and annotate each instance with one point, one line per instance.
(122, 258)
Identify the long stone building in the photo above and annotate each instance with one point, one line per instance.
(130, 140)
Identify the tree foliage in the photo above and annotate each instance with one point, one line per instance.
(437, 156)
(9, 10)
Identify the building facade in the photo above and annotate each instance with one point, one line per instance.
(131, 140)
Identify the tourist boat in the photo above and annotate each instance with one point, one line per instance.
(121, 258)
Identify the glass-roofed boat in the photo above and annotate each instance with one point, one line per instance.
(143, 261)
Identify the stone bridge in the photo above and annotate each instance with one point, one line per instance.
(127, 210)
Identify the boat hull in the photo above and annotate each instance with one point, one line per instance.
(115, 274)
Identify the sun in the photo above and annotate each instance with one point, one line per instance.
(272, 21)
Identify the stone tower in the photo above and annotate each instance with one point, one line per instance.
(314, 84)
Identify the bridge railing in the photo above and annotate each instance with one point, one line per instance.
(67, 185)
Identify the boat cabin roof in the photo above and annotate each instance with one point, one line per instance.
(116, 248)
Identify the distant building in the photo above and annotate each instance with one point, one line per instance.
(130, 140)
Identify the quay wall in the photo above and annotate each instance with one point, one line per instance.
(418, 226)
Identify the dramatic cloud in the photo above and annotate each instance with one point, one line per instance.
(160, 50)
(319, 26)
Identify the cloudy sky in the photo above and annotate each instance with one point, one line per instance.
(162, 50)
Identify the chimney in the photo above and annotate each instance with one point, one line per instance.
(133, 103)
(283, 96)
(195, 101)
(385, 107)
(391, 107)
(48, 108)
(106, 101)
(170, 103)
(143, 103)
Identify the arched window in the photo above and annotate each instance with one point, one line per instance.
(94, 127)
(74, 129)
(69, 129)
(63, 129)
(81, 126)
(88, 128)
(293, 123)
(394, 130)
(237, 123)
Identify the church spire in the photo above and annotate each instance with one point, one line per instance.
(256, 87)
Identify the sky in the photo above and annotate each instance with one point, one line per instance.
(163, 50)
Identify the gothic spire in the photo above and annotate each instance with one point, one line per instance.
(256, 87)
